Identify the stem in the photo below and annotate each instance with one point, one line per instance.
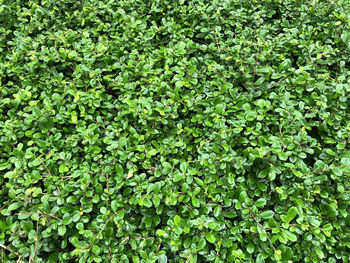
(14, 252)
(262, 229)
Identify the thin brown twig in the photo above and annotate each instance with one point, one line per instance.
(154, 125)
(277, 83)
(217, 42)
(4, 205)
(262, 229)
(341, 194)
(103, 127)
(313, 115)
(172, 171)
(107, 183)
(109, 252)
(312, 61)
(12, 251)
(47, 169)
(49, 215)
(59, 190)
(104, 226)
(330, 168)
(207, 141)
(272, 228)
(284, 146)
(36, 240)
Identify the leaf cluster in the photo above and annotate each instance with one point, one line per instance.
(174, 131)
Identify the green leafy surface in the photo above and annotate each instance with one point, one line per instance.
(174, 131)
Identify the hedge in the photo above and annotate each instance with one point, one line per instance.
(174, 131)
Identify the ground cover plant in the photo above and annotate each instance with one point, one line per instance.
(174, 131)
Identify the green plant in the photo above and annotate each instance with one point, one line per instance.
(174, 131)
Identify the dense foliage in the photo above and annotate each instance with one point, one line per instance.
(174, 131)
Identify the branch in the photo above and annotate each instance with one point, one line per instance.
(262, 229)
(284, 146)
(14, 252)
(330, 168)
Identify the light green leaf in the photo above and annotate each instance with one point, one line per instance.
(119, 170)
(261, 202)
(3, 225)
(75, 242)
(267, 214)
(250, 248)
(220, 108)
(14, 206)
(152, 152)
(114, 205)
(95, 249)
(61, 230)
(319, 253)
(292, 213)
(120, 215)
(290, 235)
(210, 237)
(177, 220)
(201, 244)
(156, 201)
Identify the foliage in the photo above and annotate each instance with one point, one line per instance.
(174, 131)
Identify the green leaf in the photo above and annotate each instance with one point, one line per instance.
(152, 152)
(3, 225)
(319, 252)
(292, 213)
(210, 237)
(156, 201)
(195, 202)
(297, 173)
(162, 258)
(331, 212)
(161, 232)
(328, 227)
(177, 177)
(95, 249)
(290, 235)
(180, 48)
(119, 170)
(53, 258)
(267, 214)
(4, 166)
(177, 220)
(183, 167)
(120, 215)
(217, 211)
(283, 156)
(201, 244)
(192, 69)
(62, 168)
(261, 202)
(114, 205)
(250, 248)
(327, 230)
(344, 37)
(14, 206)
(220, 108)
(314, 222)
(272, 174)
(135, 259)
(61, 230)
(75, 242)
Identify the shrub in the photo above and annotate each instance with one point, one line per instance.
(174, 131)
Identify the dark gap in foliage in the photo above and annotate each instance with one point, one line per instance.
(314, 132)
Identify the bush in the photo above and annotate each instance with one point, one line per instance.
(174, 131)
